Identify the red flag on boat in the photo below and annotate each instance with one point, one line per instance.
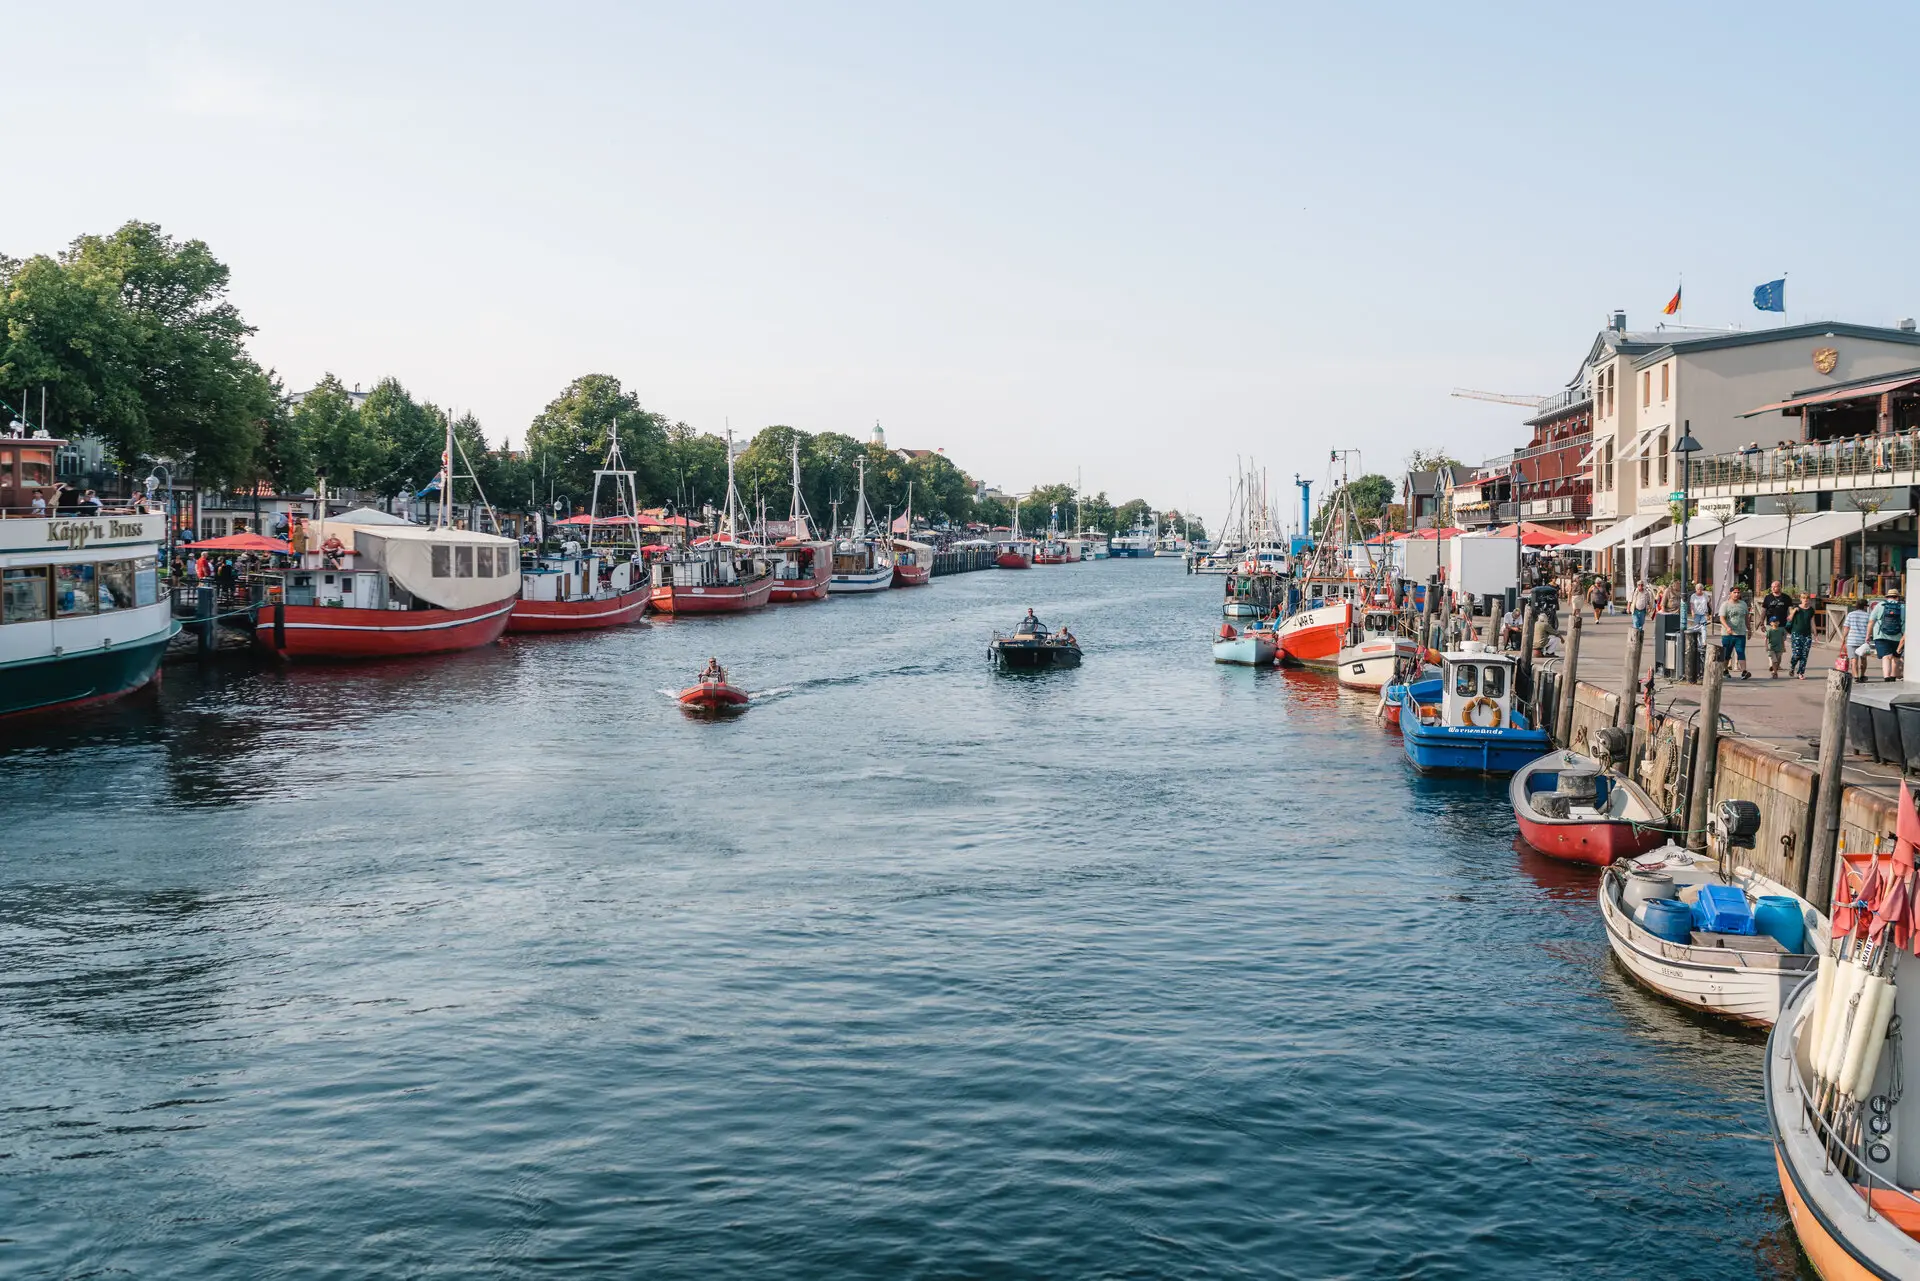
(1906, 845)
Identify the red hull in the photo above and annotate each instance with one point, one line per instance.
(911, 575)
(1393, 715)
(1012, 560)
(788, 590)
(713, 697)
(577, 615)
(712, 600)
(1050, 560)
(1315, 647)
(1596, 844)
(317, 632)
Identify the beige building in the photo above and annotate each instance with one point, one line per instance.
(1648, 387)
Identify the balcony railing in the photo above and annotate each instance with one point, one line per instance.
(1560, 400)
(1838, 463)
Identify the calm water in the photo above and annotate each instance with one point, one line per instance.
(503, 967)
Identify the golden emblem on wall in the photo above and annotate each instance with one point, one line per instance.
(1825, 358)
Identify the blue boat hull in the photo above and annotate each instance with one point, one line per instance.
(1461, 750)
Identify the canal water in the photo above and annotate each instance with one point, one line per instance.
(503, 967)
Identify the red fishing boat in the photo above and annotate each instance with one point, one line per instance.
(713, 693)
(1013, 554)
(586, 588)
(1051, 551)
(577, 592)
(371, 585)
(1312, 637)
(802, 564)
(1569, 807)
(912, 563)
(719, 575)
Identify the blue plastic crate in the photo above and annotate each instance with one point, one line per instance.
(1722, 909)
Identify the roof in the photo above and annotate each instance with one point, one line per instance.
(1873, 385)
(367, 516)
(1785, 333)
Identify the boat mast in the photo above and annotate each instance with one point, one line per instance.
(861, 518)
(733, 499)
(446, 480)
(799, 522)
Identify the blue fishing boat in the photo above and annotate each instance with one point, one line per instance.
(1464, 720)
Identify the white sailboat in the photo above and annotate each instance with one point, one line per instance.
(863, 560)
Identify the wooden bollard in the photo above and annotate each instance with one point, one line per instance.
(1630, 690)
(1526, 651)
(1816, 870)
(1569, 677)
(1705, 752)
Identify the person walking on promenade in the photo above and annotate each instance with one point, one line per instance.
(1640, 602)
(1800, 632)
(1598, 597)
(1853, 639)
(1734, 616)
(1886, 624)
(1774, 608)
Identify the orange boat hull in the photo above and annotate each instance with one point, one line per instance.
(1313, 639)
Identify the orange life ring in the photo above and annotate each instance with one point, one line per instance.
(1473, 705)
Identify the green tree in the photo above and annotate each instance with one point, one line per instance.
(283, 458)
(406, 439)
(991, 511)
(568, 440)
(1371, 495)
(1096, 513)
(1047, 502)
(941, 491)
(135, 340)
(328, 426)
(1134, 511)
(697, 465)
(765, 469)
(829, 473)
(1431, 459)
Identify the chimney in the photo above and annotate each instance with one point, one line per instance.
(1619, 322)
(1906, 326)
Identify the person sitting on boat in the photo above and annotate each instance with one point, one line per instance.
(714, 671)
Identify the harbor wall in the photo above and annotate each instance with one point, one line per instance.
(1784, 788)
(961, 560)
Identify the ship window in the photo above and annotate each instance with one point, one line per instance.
(73, 590)
(23, 596)
(116, 585)
(1494, 683)
(442, 560)
(483, 562)
(36, 467)
(463, 562)
(146, 581)
(6, 469)
(507, 557)
(1466, 680)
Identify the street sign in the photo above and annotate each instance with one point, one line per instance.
(1677, 495)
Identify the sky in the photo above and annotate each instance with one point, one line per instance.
(1127, 243)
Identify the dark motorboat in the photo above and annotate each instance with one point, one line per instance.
(1032, 645)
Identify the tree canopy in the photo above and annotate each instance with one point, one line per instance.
(136, 343)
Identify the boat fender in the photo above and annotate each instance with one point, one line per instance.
(1469, 715)
(1227, 632)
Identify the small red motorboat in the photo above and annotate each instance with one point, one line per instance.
(712, 693)
(1569, 807)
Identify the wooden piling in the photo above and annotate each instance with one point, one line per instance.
(1630, 690)
(203, 612)
(1706, 750)
(1569, 678)
(1816, 870)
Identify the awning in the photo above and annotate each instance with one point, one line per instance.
(1827, 397)
(1617, 534)
(1704, 531)
(1817, 529)
(1639, 445)
(240, 543)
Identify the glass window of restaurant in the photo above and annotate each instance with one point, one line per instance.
(23, 596)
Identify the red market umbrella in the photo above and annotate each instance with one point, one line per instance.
(1532, 535)
(241, 543)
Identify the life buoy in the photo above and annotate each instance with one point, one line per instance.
(1468, 713)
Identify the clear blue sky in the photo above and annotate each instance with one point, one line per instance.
(1133, 241)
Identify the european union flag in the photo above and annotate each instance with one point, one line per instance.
(1771, 296)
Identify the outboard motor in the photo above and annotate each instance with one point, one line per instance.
(1735, 824)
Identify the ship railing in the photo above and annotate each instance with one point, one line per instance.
(1842, 1157)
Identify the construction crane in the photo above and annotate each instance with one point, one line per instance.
(1465, 393)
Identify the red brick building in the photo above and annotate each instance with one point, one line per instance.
(1556, 487)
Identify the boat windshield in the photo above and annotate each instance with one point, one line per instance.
(1466, 680)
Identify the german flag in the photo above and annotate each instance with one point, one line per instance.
(1672, 307)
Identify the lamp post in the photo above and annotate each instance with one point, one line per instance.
(1686, 447)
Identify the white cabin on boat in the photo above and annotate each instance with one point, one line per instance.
(561, 578)
(1477, 686)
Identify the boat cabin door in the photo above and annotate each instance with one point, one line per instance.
(1479, 687)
